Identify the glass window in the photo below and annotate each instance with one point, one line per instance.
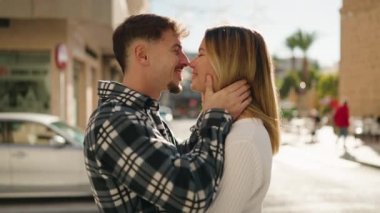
(29, 133)
(24, 81)
(5, 133)
(73, 133)
(2, 133)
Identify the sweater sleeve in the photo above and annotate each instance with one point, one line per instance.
(240, 177)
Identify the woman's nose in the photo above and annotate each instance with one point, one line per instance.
(191, 63)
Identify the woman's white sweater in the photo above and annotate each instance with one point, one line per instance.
(247, 169)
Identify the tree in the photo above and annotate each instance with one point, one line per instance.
(327, 86)
(304, 40)
(291, 43)
(291, 80)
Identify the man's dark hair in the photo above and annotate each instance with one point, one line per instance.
(144, 26)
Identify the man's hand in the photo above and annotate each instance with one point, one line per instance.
(234, 98)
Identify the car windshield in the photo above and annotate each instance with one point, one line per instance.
(73, 133)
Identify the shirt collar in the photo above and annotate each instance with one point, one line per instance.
(130, 97)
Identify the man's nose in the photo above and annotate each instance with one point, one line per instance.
(184, 59)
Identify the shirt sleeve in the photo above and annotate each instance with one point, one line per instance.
(239, 178)
(136, 155)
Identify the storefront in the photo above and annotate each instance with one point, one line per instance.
(53, 52)
(52, 66)
(25, 81)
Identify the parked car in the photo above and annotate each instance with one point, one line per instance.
(40, 156)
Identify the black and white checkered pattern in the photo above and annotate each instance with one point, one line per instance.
(135, 164)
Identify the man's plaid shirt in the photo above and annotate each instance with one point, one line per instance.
(135, 164)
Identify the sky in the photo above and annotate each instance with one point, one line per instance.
(274, 19)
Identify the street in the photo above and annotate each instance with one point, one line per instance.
(305, 178)
(304, 181)
(315, 177)
(48, 205)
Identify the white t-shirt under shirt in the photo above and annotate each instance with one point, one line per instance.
(247, 169)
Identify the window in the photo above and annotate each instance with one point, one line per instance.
(24, 81)
(29, 133)
(2, 133)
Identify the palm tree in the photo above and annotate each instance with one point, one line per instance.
(304, 41)
(291, 43)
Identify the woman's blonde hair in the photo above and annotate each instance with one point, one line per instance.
(238, 53)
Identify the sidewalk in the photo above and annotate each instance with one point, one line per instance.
(367, 153)
(364, 152)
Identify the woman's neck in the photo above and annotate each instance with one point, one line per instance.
(245, 114)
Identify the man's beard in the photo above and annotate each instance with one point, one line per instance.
(174, 88)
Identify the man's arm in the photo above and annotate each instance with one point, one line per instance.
(153, 168)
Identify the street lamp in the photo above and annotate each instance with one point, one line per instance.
(302, 99)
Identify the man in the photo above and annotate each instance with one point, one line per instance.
(133, 161)
(342, 122)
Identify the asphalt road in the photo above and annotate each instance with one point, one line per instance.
(48, 205)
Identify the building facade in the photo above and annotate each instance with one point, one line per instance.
(53, 52)
(359, 75)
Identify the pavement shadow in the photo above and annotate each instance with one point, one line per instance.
(347, 156)
(375, 146)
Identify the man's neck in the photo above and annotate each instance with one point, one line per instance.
(140, 84)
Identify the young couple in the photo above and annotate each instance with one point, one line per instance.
(133, 161)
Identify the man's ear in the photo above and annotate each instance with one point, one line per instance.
(141, 54)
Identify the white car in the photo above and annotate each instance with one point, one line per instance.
(41, 156)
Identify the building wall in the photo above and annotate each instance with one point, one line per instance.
(72, 90)
(30, 35)
(85, 27)
(100, 11)
(359, 74)
(25, 34)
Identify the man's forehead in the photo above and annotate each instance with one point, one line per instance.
(172, 38)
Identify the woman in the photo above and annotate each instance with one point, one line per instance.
(229, 54)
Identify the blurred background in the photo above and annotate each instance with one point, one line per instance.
(325, 52)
